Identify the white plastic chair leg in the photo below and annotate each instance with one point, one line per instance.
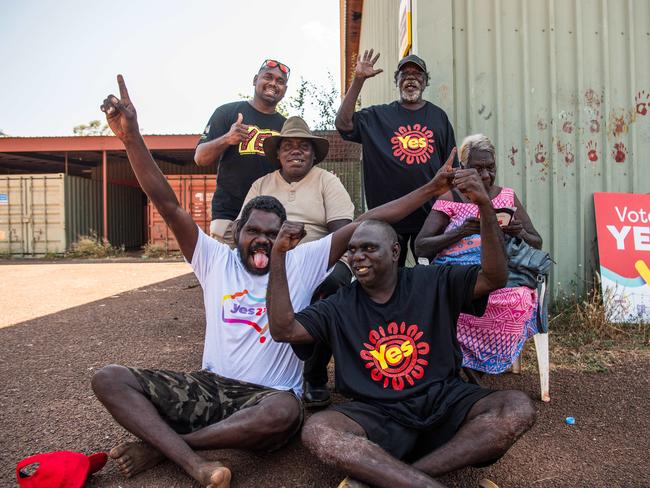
(543, 365)
(516, 365)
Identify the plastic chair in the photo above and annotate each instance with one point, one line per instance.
(541, 348)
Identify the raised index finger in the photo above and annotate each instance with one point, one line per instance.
(450, 160)
(124, 93)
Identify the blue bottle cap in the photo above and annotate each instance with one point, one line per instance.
(569, 420)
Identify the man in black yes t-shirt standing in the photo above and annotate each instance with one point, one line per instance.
(404, 142)
(393, 336)
(234, 137)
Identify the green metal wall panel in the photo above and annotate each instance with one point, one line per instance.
(83, 208)
(380, 30)
(126, 216)
(559, 86)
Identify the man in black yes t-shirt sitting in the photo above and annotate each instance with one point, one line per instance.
(404, 142)
(393, 335)
(234, 137)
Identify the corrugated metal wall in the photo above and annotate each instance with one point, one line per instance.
(194, 194)
(559, 86)
(126, 207)
(83, 208)
(379, 30)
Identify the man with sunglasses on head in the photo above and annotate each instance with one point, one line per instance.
(404, 142)
(234, 138)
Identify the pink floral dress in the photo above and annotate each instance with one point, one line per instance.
(490, 343)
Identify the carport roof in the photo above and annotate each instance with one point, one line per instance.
(48, 154)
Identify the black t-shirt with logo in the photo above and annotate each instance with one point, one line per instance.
(401, 356)
(240, 165)
(402, 150)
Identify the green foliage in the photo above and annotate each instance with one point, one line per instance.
(93, 246)
(582, 335)
(92, 128)
(316, 103)
(158, 251)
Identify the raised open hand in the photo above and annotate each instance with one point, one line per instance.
(291, 233)
(441, 182)
(366, 65)
(238, 131)
(120, 113)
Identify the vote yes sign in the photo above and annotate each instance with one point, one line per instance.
(623, 229)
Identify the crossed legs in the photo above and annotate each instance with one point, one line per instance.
(491, 427)
(263, 426)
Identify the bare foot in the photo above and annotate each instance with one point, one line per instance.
(213, 474)
(134, 457)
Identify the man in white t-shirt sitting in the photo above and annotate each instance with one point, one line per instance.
(247, 393)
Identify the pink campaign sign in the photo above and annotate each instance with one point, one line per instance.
(623, 230)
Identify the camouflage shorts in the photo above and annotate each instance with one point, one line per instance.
(191, 401)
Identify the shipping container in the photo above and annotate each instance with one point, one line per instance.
(45, 213)
(32, 214)
(194, 193)
(562, 88)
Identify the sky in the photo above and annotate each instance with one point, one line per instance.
(180, 60)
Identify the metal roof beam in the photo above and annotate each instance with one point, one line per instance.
(168, 159)
(49, 159)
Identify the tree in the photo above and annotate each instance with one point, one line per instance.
(92, 128)
(3, 134)
(324, 98)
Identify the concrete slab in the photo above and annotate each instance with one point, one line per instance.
(33, 290)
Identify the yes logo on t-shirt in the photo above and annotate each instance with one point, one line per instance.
(245, 309)
(254, 142)
(414, 144)
(394, 355)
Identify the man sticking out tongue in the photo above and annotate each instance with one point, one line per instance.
(261, 259)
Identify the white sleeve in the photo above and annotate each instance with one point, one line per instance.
(207, 253)
(309, 262)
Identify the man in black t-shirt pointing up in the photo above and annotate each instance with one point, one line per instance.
(404, 142)
(393, 337)
(234, 137)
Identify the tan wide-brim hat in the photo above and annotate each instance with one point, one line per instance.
(295, 127)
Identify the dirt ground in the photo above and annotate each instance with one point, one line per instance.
(47, 404)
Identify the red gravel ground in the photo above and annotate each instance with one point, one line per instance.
(47, 404)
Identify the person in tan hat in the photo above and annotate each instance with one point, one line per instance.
(318, 199)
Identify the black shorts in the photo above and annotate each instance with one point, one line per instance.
(406, 443)
(191, 401)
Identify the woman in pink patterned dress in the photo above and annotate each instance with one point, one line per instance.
(450, 235)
